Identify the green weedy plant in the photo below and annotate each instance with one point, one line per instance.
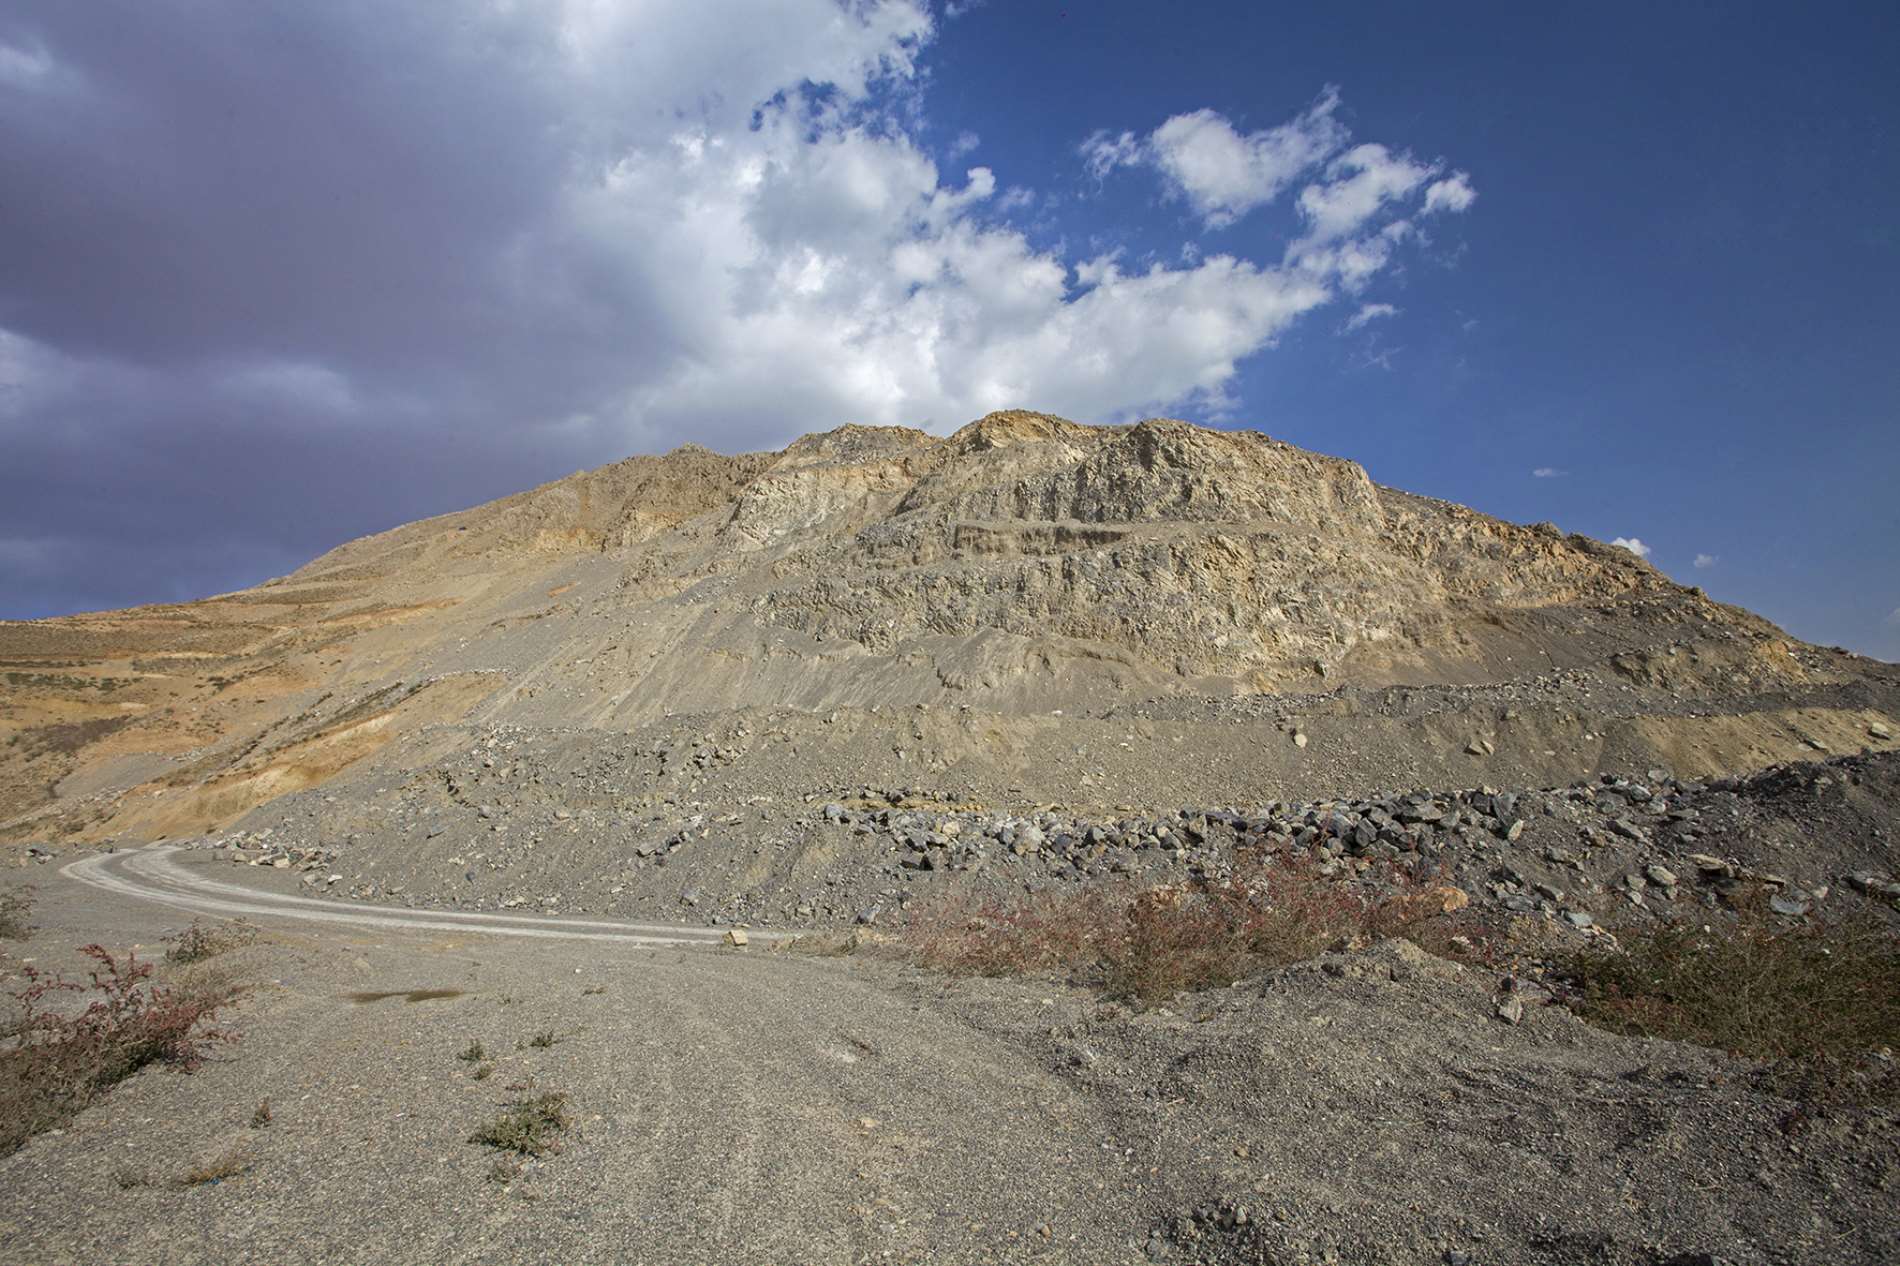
(527, 1127)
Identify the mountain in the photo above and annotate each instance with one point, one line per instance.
(1027, 611)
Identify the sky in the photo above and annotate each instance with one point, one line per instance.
(275, 274)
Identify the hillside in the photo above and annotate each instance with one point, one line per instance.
(1028, 611)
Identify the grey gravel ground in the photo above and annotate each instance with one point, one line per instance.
(772, 1107)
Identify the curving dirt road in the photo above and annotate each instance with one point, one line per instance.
(153, 873)
(729, 1105)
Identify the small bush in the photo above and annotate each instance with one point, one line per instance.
(16, 907)
(542, 1040)
(527, 1127)
(1747, 985)
(472, 1053)
(1146, 945)
(208, 940)
(262, 1117)
(56, 1062)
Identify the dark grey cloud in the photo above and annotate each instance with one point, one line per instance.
(278, 273)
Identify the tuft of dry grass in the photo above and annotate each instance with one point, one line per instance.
(527, 1127)
(208, 940)
(226, 1165)
(1749, 985)
(55, 1061)
(1146, 945)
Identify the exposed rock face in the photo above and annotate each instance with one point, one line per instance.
(1022, 565)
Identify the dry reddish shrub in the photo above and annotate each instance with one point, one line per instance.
(990, 936)
(1749, 984)
(57, 1061)
(1148, 944)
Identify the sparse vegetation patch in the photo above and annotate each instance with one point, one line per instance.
(527, 1127)
(1148, 944)
(1749, 985)
(66, 738)
(204, 940)
(55, 1061)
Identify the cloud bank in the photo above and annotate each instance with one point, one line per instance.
(464, 251)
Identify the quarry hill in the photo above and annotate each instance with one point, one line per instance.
(1028, 608)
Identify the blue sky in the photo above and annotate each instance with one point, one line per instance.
(325, 270)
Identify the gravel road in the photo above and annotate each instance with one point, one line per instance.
(157, 873)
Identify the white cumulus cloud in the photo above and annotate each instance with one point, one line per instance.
(1221, 172)
(1358, 185)
(1548, 472)
(1453, 193)
(1633, 544)
(1224, 174)
(1705, 561)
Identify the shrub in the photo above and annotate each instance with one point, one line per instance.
(16, 907)
(208, 940)
(1748, 985)
(56, 1062)
(527, 1127)
(1148, 944)
(472, 1053)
